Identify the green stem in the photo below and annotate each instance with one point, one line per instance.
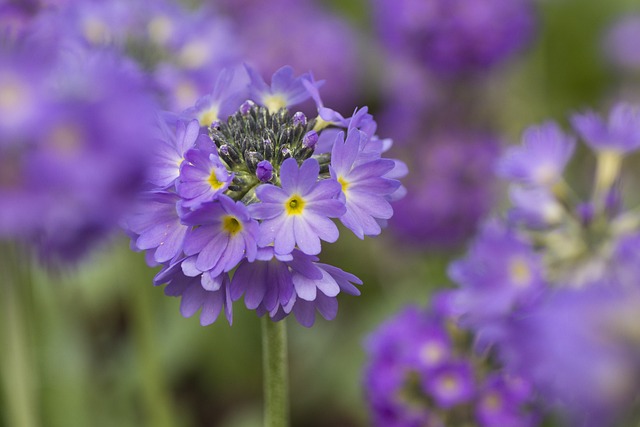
(276, 381)
(18, 367)
(158, 404)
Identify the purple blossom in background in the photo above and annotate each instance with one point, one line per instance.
(541, 159)
(621, 133)
(238, 204)
(551, 291)
(449, 190)
(455, 37)
(620, 46)
(74, 132)
(309, 33)
(417, 374)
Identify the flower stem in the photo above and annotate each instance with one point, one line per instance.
(18, 367)
(156, 395)
(276, 381)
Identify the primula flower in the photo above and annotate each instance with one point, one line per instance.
(541, 159)
(241, 209)
(203, 176)
(285, 90)
(299, 212)
(621, 133)
(619, 44)
(170, 149)
(73, 146)
(364, 186)
(406, 385)
(224, 236)
(455, 37)
(550, 294)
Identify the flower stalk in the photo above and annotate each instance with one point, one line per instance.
(18, 373)
(275, 374)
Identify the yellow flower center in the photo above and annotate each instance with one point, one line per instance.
(344, 183)
(160, 29)
(231, 225)
(449, 383)
(294, 205)
(214, 182)
(186, 94)
(208, 116)
(66, 138)
(431, 353)
(12, 94)
(96, 31)
(520, 272)
(275, 103)
(195, 54)
(493, 401)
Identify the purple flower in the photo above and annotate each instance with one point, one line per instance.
(299, 212)
(620, 134)
(285, 90)
(501, 402)
(451, 384)
(155, 225)
(364, 187)
(195, 295)
(619, 43)
(294, 283)
(203, 177)
(297, 43)
(541, 159)
(455, 37)
(170, 149)
(74, 146)
(403, 390)
(577, 350)
(449, 192)
(535, 207)
(225, 99)
(254, 198)
(225, 235)
(500, 274)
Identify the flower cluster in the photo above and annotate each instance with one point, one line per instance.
(451, 194)
(420, 372)
(455, 37)
(180, 48)
(75, 126)
(239, 201)
(551, 288)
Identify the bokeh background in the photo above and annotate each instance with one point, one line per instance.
(108, 349)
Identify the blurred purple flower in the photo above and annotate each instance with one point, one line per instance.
(74, 147)
(620, 46)
(308, 32)
(621, 133)
(542, 157)
(418, 374)
(455, 37)
(449, 191)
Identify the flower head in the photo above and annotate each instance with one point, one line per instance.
(252, 198)
(418, 371)
(621, 133)
(456, 37)
(541, 159)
